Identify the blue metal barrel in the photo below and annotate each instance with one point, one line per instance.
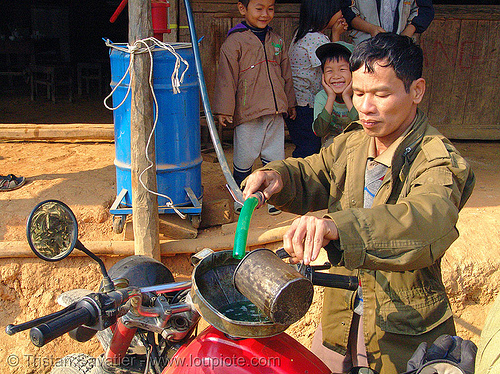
(177, 135)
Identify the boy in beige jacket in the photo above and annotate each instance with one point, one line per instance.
(254, 89)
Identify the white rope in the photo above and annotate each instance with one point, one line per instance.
(176, 83)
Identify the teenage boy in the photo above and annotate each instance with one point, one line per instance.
(254, 89)
(367, 18)
(333, 109)
(393, 187)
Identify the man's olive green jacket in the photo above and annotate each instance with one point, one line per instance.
(394, 247)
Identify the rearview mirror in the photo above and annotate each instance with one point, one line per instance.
(52, 230)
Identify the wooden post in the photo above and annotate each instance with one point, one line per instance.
(144, 204)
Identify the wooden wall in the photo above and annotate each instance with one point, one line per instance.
(462, 70)
(461, 60)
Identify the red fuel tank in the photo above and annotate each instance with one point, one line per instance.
(213, 352)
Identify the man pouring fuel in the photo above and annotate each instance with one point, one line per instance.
(393, 186)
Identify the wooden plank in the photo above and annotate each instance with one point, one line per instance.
(461, 80)
(71, 132)
(278, 25)
(462, 71)
(215, 213)
(222, 7)
(494, 79)
(173, 19)
(259, 237)
(440, 54)
(174, 227)
(291, 24)
(218, 29)
(202, 23)
(467, 12)
(171, 227)
(478, 65)
(183, 31)
(144, 203)
(427, 41)
(236, 20)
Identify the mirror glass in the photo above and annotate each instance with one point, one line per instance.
(52, 230)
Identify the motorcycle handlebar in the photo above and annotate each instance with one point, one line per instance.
(345, 282)
(84, 314)
(12, 329)
(335, 281)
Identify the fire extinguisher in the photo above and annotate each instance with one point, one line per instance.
(159, 15)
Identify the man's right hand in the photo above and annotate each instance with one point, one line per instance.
(306, 236)
(360, 24)
(267, 181)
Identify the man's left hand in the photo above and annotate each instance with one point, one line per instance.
(306, 236)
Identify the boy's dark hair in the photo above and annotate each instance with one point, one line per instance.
(315, 15)
(244, 2)
(388, 49)
(332, 52)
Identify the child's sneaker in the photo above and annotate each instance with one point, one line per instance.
(272, 210)
(237, 208)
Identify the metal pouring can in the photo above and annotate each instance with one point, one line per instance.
(275, 287)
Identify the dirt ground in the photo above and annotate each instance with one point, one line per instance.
(83, 176)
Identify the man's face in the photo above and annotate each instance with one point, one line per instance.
(258, 13)
(385, 109)
(337, 75)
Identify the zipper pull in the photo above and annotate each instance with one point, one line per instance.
(406, 166)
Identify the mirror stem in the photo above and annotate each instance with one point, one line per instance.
(107, 283)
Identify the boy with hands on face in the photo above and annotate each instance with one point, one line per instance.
(333, 108)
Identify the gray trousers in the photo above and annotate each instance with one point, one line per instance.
(264, 137)
(356, 349)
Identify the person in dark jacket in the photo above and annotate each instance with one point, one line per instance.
(367, 18)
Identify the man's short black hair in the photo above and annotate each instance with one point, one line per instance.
(388, 49)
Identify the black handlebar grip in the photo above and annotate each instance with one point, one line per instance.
(14, 329)
(11, 329)
(335, 281)
(281, 253)
(50, 330)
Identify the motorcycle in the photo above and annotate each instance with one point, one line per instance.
(147, 322)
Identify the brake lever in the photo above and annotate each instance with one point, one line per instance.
(12, 329)
(322, 279)
(305, 270)
(325, 266)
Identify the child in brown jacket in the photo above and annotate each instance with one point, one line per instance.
(254, 89)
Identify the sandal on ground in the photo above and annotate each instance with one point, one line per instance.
(272, 210)
(11, 182)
